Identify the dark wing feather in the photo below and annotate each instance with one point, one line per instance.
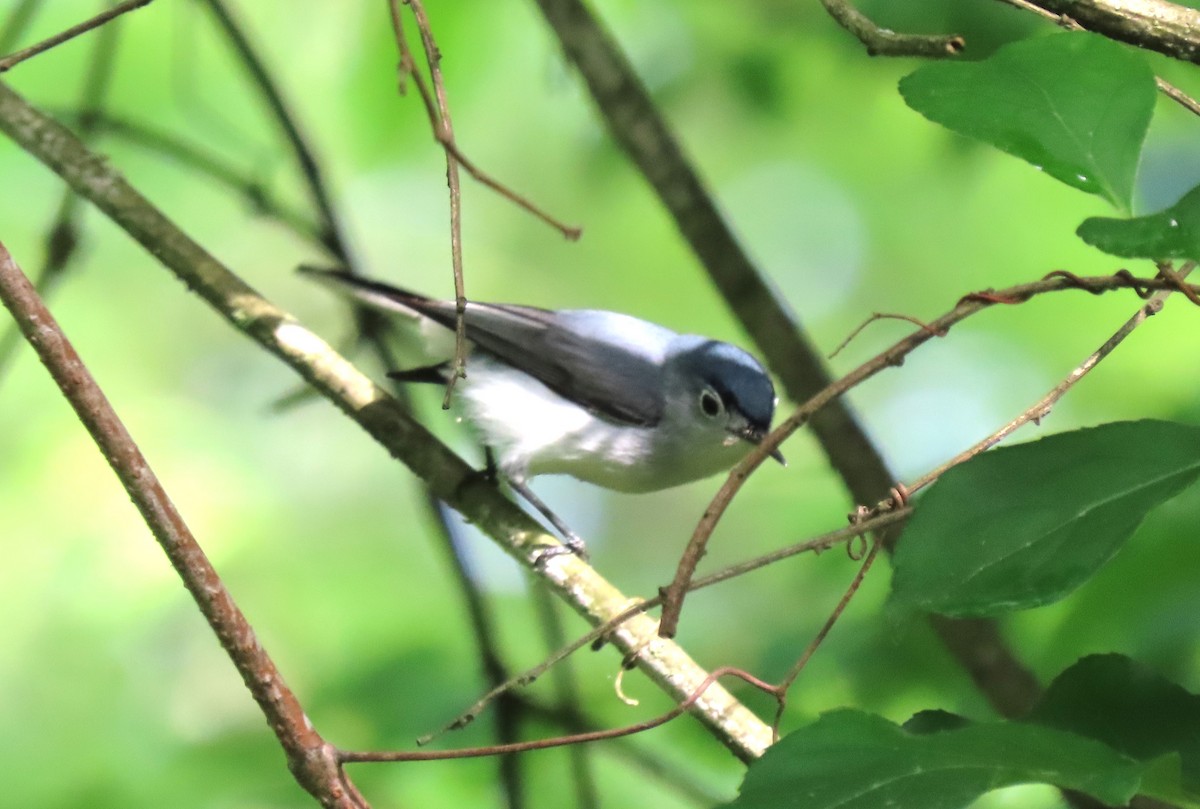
(603, 376)
(599, 374)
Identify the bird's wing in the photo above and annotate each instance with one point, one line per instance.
(578, 354)
(565, 352)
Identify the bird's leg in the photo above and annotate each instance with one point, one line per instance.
(571, 541)
(490, 470)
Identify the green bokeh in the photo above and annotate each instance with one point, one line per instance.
(112, 690)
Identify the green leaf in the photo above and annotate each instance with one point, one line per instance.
(1022, 526)
(1171, 233)
(1133, 710)
(1074, 105)
(853, 760)
(934, 721)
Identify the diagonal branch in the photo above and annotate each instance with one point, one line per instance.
(882, 42)
(637, 125)
(13, 59)
(640, 129)
(312, 760)
(1168, 28)
(373, 409)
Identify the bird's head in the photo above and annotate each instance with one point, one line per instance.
(727, 391)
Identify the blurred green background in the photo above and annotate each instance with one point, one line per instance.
(113, 691)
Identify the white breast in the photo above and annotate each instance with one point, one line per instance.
(534, 431)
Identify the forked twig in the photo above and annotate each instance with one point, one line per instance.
(893, 356)
(438, 111)
(439, 118)
(348, 757)
(1042, 407)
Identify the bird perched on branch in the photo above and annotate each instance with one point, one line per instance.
(604, 397)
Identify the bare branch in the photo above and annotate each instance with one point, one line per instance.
(1042, 407)
(882, 42)
(310, 170)
(1167, 28)
(62, 236)
(311, 759)
(559, 741)
(1071, 24)
(878, 523)
(439, 118)
(13, 59)
(447, 476)
(893, 356)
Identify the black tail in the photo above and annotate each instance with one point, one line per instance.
(375, 293)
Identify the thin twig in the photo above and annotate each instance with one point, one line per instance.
(439, 118)
(379, 414)
(445, 136)
(893, 356)
(786, 684)
(1175, 94)
(873, 318)
(1042, 407)
(817, 544)
(630, 753)
(1068, 23)
(313, 761)
(433, 58)
(8, 62)
(19, 18)
(566, 693)
(62, 236)
(348, 757)
(882, 42)
(1061, 20)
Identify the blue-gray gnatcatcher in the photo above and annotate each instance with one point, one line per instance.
(604, 397)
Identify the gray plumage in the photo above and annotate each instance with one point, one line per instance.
(603, 396)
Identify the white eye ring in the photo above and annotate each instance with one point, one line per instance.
(711, 404)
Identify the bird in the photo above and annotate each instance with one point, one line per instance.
(601, 396)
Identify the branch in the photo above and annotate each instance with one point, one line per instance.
(310, 170)
(62, 237)
(1071, 24)
(891, 357)
(1154, 25)
(585, 737)
(439, 119)
(882, 42)
(13, 59)
(14, 25)
(1042, 407)
(603, 631)
(312, 760)
(639, 128)
(372, 408)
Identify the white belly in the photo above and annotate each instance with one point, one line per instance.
(534, 431)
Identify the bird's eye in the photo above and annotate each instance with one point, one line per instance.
(710, 403)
